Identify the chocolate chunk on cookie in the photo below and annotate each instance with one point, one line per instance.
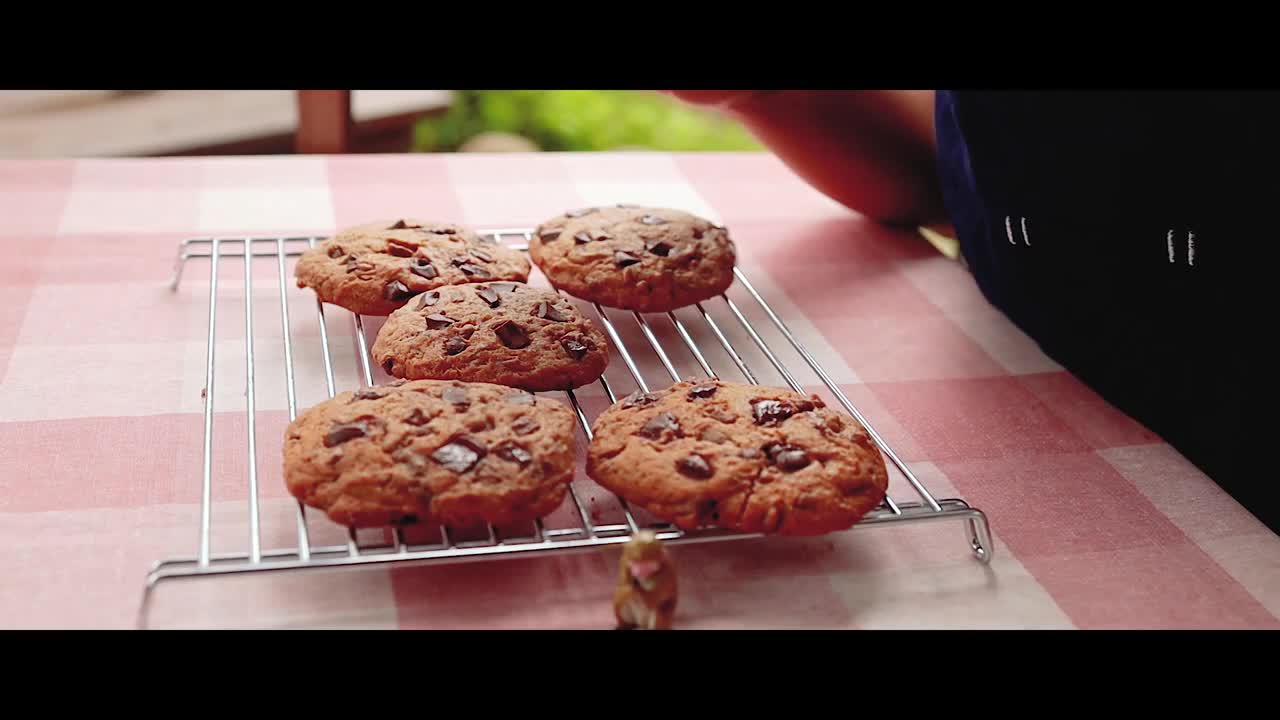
(709, 453)
(431, 451)
(635, 258)
(375, 268)
(503, 333)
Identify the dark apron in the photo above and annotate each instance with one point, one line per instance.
(1131, 235)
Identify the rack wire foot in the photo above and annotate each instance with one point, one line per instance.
(979, 534)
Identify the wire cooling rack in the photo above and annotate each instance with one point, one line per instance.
(659, 344)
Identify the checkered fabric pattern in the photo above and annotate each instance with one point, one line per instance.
(1098, 524)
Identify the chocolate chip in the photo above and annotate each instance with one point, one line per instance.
(772, 412)
(388, 364)
(792, 460)
(511, 335)
(714, 436)
(423, 268)
(489, 296)
(417, 418)
(474, 270)
(454, 345)
(514, 453)
(623, 258)
(549, 235)
(652, 220)
(335, 252)
(366, 394)
(504, 286)
(520, 398)
(459, 455)
(788, 457)
(437, 321)
(444, 231)
(697, 234)
(525, 425)
(625, 205)
(575, 349)
(686, 252)
(396, 291)
(341, 433)
(582, 238)
(640, 399)
(401, 225)
(694, 466)
(704, 390)
(428, 299)
(660, 425)
(480, 255)
(658, 247)
(579, 213)
(399, 251)
(549, 312)
(456, 396)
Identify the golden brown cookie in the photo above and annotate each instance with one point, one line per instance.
(431, 451)
(743, 457)
(373, 269)
(504, 333)
(635, 258)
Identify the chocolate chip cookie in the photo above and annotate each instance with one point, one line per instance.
(743, 457)
(375, 268)
(635, 258)
(503, 333)
(431, 451)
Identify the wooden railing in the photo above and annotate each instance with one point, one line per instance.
(324, 121)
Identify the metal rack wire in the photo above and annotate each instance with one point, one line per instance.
(494, 544)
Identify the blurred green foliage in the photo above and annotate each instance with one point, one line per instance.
(582, 120)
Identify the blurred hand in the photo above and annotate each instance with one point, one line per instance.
(871, 150)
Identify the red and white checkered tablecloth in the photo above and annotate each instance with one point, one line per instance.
(1098, 524)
